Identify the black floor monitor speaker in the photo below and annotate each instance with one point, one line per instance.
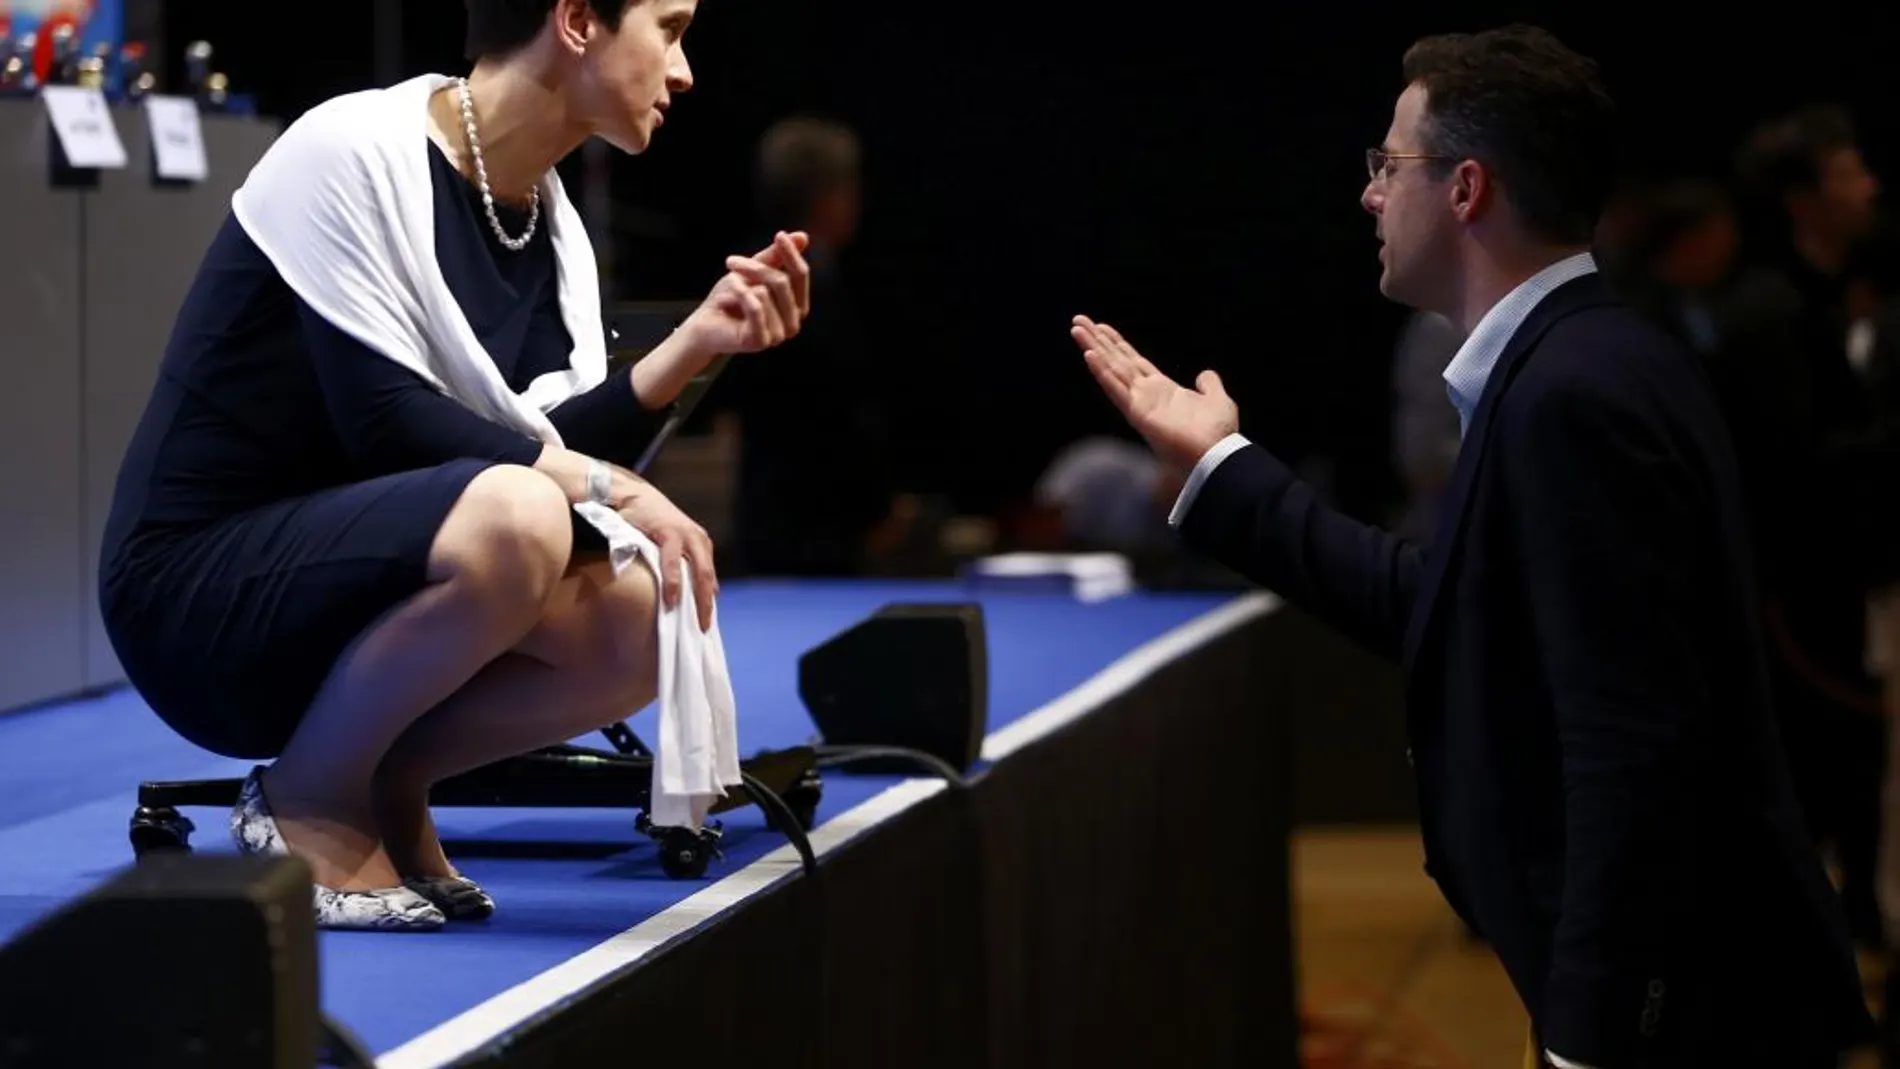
(911, 675)
(200, 960)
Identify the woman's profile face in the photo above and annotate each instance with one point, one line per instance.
(627, 78)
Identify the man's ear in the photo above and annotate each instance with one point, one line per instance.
(1470, 189)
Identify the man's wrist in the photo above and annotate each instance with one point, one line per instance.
(1199, 470)
(1180, 463)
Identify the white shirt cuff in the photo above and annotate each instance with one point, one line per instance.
(1210, 460)
(1563, 1063)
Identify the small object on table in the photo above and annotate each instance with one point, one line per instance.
(1086, 576)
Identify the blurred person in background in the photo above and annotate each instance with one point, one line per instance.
(1109, 494)
(1873, 315)
(1682, 261)
(817, 487)
(1873, 350)
(1425, 435)
(1808, 439)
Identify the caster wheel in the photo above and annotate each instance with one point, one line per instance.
(803, 802)
(159, 830)
(683, 856)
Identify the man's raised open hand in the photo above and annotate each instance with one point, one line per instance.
(1180, 424)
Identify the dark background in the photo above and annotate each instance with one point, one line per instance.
(1189, 172)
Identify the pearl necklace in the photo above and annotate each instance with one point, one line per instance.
(481, 177)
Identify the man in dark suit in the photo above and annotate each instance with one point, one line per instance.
(1603, 794)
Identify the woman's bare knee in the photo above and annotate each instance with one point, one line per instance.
(628, 612)
(605, 627)
(507, 539)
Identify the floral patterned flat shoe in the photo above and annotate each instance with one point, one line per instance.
(386, 909)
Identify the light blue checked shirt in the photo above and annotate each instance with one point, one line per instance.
(1465, 376)
(1471, 368)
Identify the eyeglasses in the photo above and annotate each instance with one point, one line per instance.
(1378, 160)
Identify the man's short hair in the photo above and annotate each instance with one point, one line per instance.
(1787, 153)
(502, 27)
(801, 159)
(1534, 112)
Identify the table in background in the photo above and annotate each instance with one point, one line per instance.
(89, 284)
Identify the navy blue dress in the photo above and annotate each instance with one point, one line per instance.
(286, 483)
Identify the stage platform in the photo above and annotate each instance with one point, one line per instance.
(1112, 889)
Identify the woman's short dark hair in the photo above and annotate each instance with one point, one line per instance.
(1530, 109)
(501, 27)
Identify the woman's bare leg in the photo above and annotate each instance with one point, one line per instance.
(495, 563)
(592, 660)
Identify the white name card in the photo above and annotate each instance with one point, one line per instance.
(178, 142)
(83, 122)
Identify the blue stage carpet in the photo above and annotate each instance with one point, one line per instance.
(71, 773)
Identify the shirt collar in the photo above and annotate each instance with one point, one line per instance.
(1470, 367)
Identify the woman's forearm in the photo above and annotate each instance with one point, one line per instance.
(660, 376)
(657, 381)
(574, 473)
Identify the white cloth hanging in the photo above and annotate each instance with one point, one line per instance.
(343, 206)
(697, 753)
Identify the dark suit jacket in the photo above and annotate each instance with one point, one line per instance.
(1602, 789)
